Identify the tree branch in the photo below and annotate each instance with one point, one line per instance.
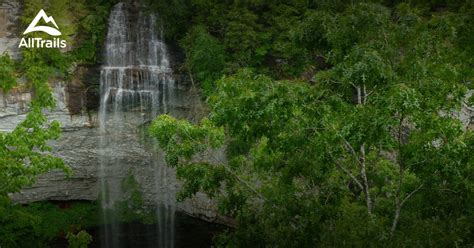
(345, 170)
(399, 206)
(363, 172)
(247, 184)
(411, 194)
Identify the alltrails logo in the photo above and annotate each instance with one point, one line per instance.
(40, 42)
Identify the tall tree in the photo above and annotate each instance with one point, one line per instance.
(368, 154)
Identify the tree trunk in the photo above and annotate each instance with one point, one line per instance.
(395, 219)
(361, 99)
(398, 200)
(365, 181)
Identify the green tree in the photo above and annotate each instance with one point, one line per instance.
(205, 57)
(7, 73)
(80, 240)
(371, 154)
(242, 34)
(25, 151)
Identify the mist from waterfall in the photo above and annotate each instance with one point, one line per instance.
(136, 83)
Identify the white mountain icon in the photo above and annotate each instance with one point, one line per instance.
(50, 30)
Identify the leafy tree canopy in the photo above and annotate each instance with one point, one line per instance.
(343, 129)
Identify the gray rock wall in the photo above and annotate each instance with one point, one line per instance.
(9, 23)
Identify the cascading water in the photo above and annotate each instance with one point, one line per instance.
(136, 85)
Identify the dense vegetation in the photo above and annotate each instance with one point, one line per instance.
(339, 118)
(41, 224)
(24, 152)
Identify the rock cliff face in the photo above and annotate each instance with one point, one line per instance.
(78, 147)
(9, 19)
(77, 102)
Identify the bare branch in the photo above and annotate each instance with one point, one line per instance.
(345, 170)
(351, 150)
(449, 190)
(229, 170)
(411, 194)
(399, 206)
(363, 172)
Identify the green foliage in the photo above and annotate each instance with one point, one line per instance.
(173, 16)
(63, 12)
(25, 152)
(184, 138)
(359, 146)
(205, 56)
(132, 206)
(289, 39)
(242, 35)
(93, 26)
(38, 224)
(271, 37)
(7, 73)
(15, 222)
(80, 240)
(182, 141)
(470, 101)
(86, 20)
(369, 154)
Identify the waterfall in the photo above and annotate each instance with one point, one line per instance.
(136, 85)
